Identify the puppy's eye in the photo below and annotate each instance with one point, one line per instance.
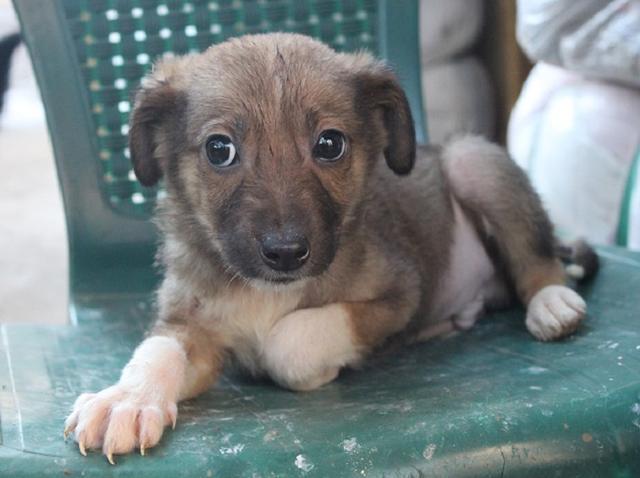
(220, 151)
(330, 146)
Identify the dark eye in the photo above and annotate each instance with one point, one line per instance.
(330, 146)
(220, 151)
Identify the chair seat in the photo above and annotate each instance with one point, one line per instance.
(489, 402)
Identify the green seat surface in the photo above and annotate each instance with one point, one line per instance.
(489, 402)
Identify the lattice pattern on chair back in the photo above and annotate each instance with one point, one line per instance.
(116, 42)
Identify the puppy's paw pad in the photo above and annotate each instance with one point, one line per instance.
(555, 311)
(119, 420)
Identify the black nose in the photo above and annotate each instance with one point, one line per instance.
(284, 253)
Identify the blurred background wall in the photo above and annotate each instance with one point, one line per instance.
(33, 248)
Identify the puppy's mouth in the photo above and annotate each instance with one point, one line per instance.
(267, 279)
(278, 283)
(263, 277)
(282, 280)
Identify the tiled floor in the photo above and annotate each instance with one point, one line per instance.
(33, 255)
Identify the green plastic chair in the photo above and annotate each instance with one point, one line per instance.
(485, 403)
(627, 209)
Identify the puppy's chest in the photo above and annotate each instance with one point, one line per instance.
(244, 319)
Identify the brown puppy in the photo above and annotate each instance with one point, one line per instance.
(290, 246)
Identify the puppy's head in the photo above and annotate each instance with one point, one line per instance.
(267, 143)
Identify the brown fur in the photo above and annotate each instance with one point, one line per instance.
(371, 251)
(272, 94)
(513, 214)
(391, 256)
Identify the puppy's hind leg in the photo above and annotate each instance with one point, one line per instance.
(510, 215)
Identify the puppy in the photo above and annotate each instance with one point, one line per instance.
(295, 241)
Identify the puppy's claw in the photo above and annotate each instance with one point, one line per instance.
(141, 450)
(83, 452)
(110, 458)
(173, 415)
(70, 424)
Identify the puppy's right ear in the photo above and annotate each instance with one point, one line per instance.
(379, 90)
(155, 104)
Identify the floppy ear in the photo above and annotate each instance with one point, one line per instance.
(379, 89)
(153, 106)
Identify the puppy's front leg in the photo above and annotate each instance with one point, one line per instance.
(308, 347)
(173, 364)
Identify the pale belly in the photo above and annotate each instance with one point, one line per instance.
(469, 284)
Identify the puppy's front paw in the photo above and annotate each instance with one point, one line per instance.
(119, 419)
(307, 348)
(555, 311)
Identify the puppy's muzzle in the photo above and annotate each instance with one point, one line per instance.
(284, 252)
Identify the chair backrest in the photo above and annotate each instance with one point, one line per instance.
(89, 56)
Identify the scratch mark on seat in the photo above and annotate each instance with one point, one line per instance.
(567, 374)
(259, 417)
(31, 452)
(16, 402)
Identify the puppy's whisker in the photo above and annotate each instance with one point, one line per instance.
(245, 283)
(234, 276)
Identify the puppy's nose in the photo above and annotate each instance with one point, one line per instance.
(284, 253)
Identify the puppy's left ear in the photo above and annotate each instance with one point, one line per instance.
(379, 89)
